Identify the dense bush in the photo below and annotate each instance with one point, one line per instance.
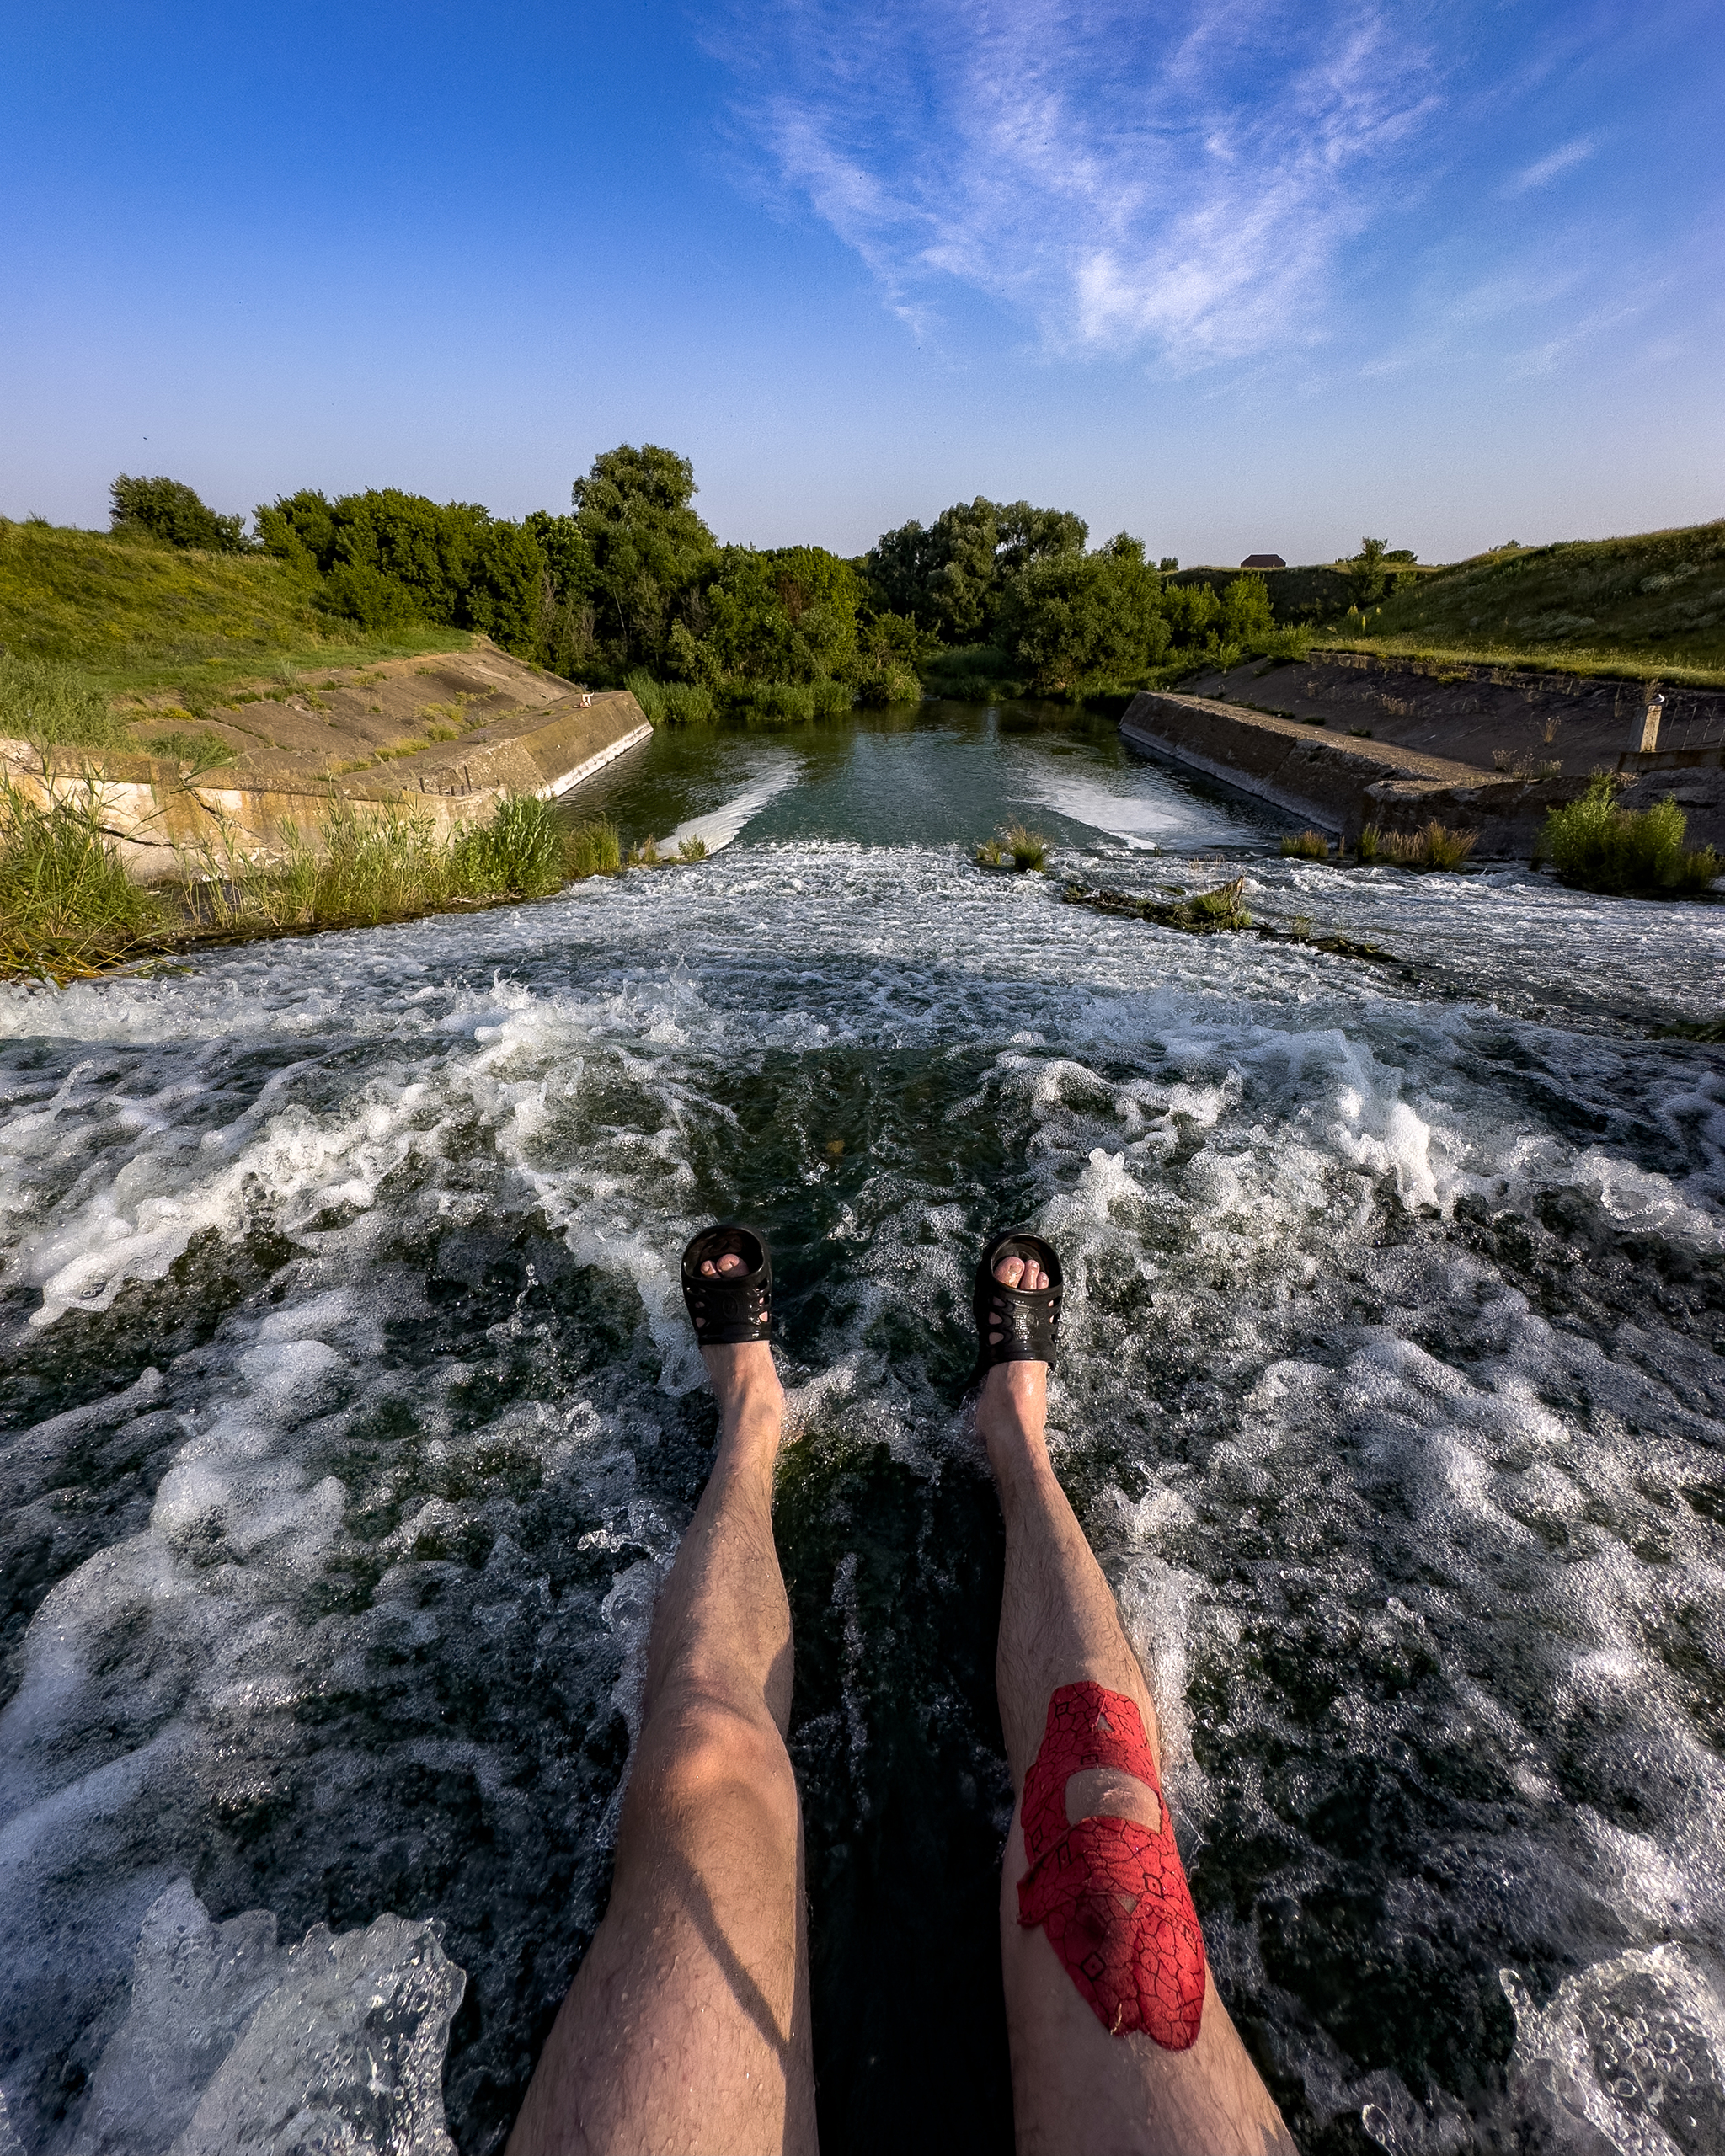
(167, 509)
(1596, 845)
(386, 557)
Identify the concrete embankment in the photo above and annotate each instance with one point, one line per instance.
(1341, 785)
(165, 820)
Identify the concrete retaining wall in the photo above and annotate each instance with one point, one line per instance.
(1340, 785)
(1297, 767)
(156, 816)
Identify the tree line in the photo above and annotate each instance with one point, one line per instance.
(631, 579)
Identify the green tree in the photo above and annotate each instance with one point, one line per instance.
(166, 509)
(786, 614)
(950, 578)
(645, 547)
(1072, 620)
(1369, 573)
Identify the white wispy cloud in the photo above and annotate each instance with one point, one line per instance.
(1181, 176)
(1552, 167)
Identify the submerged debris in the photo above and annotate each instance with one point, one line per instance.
(1217, 912)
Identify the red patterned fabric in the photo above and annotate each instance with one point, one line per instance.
(1111, 1895)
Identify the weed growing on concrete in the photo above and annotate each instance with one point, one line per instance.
(1307, 845)
(693, 849)
(1637, 853)
(192, 752)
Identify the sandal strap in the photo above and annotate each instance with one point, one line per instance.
(728, 1309)
(1026, 1319)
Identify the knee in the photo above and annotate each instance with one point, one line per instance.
(707, 1757)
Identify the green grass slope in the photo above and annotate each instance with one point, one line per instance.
(137, 618)
(1651, 605)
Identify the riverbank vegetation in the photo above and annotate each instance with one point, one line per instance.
(1626, 852)
(1618, 608)
(69, 911)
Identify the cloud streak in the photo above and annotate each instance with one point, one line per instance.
(1181, 178)
(1553, 167)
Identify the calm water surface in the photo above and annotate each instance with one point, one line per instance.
(351, 1419)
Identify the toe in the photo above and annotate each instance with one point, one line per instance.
(732, 1262)
(1010, 1271)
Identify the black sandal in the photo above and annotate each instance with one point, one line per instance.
(1027, 1320)
(728, 1308)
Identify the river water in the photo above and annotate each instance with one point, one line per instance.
(351, 1419)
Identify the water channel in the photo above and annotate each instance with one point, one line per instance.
(350, 1419)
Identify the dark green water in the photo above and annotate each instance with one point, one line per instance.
(352, 1419)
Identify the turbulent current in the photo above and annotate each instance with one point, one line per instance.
(351, 1420)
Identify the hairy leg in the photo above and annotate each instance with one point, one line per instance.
(1076, 2087)
(686, 2027)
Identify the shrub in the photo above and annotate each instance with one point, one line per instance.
(54, 706)
(1308, 846)
(374, 600)
(592, 848)
(167, 509)
(691, 849)
(521, 852)
(1598, 846)
(890, 684)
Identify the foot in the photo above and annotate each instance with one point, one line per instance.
(1011, 1409)
(751, 1401)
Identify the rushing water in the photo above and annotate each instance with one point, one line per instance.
(352, 1418)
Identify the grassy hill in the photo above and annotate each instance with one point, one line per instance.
(137, 619)
(1651, 604)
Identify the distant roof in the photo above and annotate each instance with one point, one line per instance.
(1263, 561)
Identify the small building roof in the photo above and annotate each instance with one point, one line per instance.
(1263, 561)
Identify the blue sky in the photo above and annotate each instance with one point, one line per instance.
(1229, 278)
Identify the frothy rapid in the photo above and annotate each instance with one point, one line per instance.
(353, 1418)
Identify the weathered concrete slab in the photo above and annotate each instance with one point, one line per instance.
(159, 818)
(1278, 759)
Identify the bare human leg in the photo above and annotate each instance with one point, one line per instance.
(1076, 2087)
(686, 2027)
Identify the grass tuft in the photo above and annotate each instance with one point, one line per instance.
(1435, 845)
(1307, 845)
(67, 907)
(1637, 853)
(55, 707)
(1014, 847)
(592, 848)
